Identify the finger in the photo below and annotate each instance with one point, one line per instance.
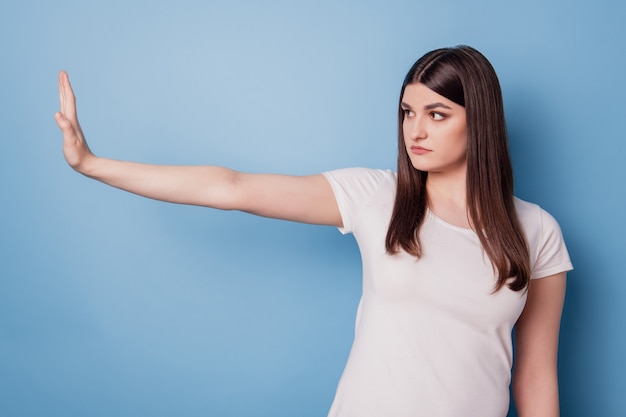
(66, 94)
(60, 92)
(62, 99)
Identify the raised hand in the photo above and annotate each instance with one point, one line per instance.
(75, 148)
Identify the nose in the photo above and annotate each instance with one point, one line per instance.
(414, 129)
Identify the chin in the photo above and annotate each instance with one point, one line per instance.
(422, 167)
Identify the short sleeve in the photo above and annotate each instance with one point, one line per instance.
(551, 256)
(353, 189)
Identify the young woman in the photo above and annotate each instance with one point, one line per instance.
(451, 260)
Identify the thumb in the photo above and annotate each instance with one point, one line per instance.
(62, 121)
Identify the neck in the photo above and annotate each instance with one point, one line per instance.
(449, 186)
(447, 197)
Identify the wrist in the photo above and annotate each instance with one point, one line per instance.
(88, 166)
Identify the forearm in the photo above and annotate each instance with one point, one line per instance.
(536, 393)
(197, 185)
(535, 379)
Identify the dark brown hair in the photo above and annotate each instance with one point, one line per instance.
(464, 76)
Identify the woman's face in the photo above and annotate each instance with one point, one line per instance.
(435, 130)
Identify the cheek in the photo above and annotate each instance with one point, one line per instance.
(461, 135)
(462, 130)
(406, 138)
(463, 139)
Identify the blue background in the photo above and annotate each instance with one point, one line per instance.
(111, 304)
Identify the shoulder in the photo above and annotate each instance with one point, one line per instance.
(548, 253)
(358, 190)
(534, 219)
(360, 180)
(362, 174)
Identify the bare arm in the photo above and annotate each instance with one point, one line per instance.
(307, 199)
(535, 381)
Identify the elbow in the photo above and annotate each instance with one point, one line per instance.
(226, 192)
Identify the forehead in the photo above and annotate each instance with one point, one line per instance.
(418, 95)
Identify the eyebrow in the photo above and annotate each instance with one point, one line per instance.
(435, 105)
(431, 106)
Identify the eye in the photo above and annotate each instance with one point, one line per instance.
(408, 113)
(437, 116)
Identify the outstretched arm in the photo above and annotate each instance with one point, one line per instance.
(307, 199)
(535, 381)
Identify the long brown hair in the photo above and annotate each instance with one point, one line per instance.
(464, 76)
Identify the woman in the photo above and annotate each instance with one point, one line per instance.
(451, 260)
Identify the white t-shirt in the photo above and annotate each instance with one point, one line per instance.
(432, 339)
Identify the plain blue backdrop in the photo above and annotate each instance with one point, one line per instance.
(111, 304)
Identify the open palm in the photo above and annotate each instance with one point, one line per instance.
(75, 148)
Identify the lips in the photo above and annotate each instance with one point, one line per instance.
(418, 150)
